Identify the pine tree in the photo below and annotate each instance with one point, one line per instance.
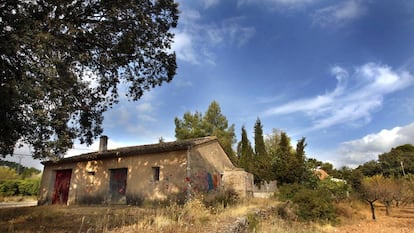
(212, 123)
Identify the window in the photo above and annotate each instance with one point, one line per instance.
(156, 173)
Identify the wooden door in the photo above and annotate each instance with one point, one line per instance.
(61, 187)
(117, 185)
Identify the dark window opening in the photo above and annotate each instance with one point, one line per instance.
(156, 173)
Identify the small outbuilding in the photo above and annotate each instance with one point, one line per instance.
(131, 175)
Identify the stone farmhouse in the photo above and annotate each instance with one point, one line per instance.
(131, 175)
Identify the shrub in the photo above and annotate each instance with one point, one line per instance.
(28, 187)
(9, 188)
(309, 204)
(314, 205)
(339, 190)
(286, 211)
(226, 198)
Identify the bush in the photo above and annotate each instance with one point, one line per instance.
(9, 188)
(309, 204)
(339, 190)
(28, 187)
(20, 187)
(226, 198)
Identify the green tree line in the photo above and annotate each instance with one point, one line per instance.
(388, 180)
(12, 183)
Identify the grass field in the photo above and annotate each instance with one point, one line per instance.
(194, 217)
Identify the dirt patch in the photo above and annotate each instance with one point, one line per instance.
(401, 220)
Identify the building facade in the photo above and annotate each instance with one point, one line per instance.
(131, 175)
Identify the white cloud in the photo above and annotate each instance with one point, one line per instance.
(210, 3)
(184, 48)
(339, 14)
(229, 32)
(353, 100)
(359, 151)
(290, 4)
(194, 42)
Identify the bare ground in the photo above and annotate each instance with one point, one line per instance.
(401, 220)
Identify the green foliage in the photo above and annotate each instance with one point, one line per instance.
(213, 123)
(12, 184)
(289, 165)
(310, 204)
(395, 163)
(398, 162)
(62, 62)
(9, 188)
(245, 152)
(28, 187)
(262, 161)
(7, 174)
(339, 190)
(13, 167)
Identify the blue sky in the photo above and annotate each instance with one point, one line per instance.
(340, 73)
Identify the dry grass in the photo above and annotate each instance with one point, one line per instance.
(18, 198)
(194, 217)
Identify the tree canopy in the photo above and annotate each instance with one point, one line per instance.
(397, 162)
(62, 63)
(212, 123)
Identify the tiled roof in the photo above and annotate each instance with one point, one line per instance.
(136, 150)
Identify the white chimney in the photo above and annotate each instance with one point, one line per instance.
(103, 143)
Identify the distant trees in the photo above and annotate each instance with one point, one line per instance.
(396, 163)
(212, 123)
(12, 183)
(273, 157)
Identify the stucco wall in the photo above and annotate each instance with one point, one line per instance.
(240, 181)
(207, 163)
(90, 179)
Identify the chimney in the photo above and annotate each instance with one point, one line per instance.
(103, 143)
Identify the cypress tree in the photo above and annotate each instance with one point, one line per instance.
(262, 160)
(245, 152)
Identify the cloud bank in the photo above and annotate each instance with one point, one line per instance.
(356, 96)
(356, 152)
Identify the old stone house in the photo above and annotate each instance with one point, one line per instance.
(131, 175)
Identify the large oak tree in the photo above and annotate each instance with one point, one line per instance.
(63, 61)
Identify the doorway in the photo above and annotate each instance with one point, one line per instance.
(117, 185)
(61, 187)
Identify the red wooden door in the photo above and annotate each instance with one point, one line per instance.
(117, 185)
(61, 188)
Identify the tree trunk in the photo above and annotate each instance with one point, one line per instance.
(387, 208)
(371, 203)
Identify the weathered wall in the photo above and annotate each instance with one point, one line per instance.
(90, 179)
(207, 163)
(240, 181)
(266, 189)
